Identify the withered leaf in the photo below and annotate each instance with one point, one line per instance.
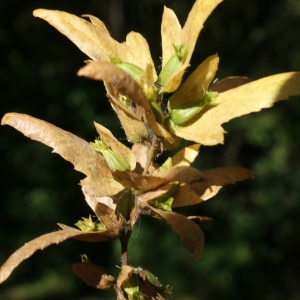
(99, 181)
(190, 234)
(228, 83)
(44, 241)
(124, 274)
(127, 86)
(227, 175)
(93, 276)
(251, 97)
(114, 223)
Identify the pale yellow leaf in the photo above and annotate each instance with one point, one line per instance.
(198, 82)
(206, 128)
(186, 156)
(199, 13)
(170, 34)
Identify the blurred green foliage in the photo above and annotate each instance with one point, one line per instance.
(252, 246)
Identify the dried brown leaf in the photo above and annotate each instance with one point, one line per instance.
(99, 181)
(227, 175)
(93, 275)
(44, 241)
(127, 86)
(251, 97)
(190, 234)
(229, 83)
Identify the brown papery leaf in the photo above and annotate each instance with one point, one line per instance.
(114, 223)
(190, 234)
(227, 175)
(229, 83)
(124, 274)
(185, 174)
(134, 128)
(99, 181)
(198, 82)
(93, 275)
(44, 241)
(115, 145)
(93, 40)
(127, 86)
(250, 97)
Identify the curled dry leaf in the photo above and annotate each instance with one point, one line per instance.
(99, 181)
(115, 145)
(190, 234)
(44, 241)
(127, 86)
(93, 39)
(134, 128)
(114, 223)
(213, 180)
(93, 276)
(250, 97)
(228, 83)
(124, 274)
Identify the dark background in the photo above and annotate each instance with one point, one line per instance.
(252, 247)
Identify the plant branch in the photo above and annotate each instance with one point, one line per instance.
(152, 154)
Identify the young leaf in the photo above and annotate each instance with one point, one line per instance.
(247, 98)
(99, 181)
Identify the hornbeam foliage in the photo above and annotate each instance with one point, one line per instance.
(157, 111)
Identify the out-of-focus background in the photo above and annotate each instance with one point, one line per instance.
(252, 247)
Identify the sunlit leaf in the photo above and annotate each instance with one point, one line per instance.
(206, 129)
(99, 181)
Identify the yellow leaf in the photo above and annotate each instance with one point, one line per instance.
(251, 97)
(195, 85)
(186, 156)
(187, 36)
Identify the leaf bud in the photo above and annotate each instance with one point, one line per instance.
(114, 161)
(87, 225)
(186, 111)
(173, 64)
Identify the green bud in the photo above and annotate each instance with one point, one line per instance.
(186, 111)
(114, 161)
(173, 64)
(87, 225)
(132, 289)
(165, 201)
(159, 116)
